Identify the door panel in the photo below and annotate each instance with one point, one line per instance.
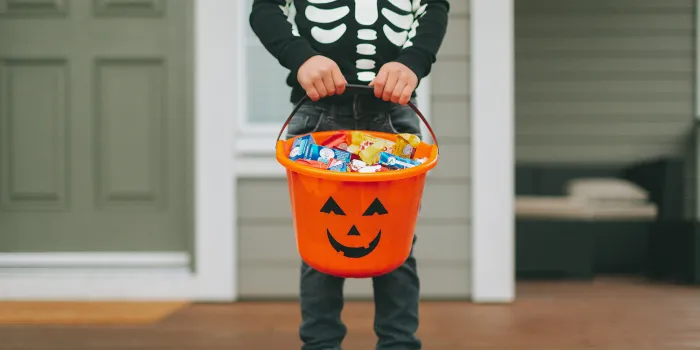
(33, 134)
(95, 125)
(129, 124)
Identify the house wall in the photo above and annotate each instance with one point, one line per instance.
(603, 80)
(269, 262)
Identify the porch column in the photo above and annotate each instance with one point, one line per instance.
(492, 121)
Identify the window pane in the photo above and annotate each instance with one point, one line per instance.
(268, 93)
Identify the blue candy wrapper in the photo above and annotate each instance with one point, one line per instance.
(301, 146)
(395, 162)
(337, 165)
(325, 154)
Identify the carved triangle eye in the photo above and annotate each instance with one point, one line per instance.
(332, 207)
(375, 208)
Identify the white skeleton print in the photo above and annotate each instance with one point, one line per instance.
(366, 15)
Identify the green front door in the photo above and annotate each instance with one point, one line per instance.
(95, 136)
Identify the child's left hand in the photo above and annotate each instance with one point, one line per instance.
(395, 82)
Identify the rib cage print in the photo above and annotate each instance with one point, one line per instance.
(329, 21)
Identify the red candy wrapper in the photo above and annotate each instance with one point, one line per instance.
(313, 163)
(338, 141)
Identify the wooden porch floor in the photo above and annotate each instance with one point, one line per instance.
(605, 314)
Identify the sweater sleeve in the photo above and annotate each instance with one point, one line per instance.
(272, 22)
(426, 35)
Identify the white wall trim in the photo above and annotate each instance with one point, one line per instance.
(217, 103)
(89, 285)
(492, 113)
(95, 259)
(214, 279)
(424, 97)
(96, 276)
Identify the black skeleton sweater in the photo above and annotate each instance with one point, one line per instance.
(359, 35)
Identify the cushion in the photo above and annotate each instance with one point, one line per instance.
(602, 190)
(549, 207)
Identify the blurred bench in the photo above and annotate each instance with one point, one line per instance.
(558, 237)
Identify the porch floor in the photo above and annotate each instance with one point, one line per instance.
(607, 313)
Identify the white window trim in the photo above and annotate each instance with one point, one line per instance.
(492, 115)
(254, 146)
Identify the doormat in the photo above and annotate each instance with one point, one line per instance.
(86, 313)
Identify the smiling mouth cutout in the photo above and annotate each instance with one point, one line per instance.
(375, 208)
(354, 252)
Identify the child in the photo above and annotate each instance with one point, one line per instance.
(326, 44)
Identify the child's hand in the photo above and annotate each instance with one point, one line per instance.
(321, 77)
(395, 82)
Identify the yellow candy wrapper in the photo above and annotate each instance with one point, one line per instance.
(363, 140)
(370, 154)
(406, 145)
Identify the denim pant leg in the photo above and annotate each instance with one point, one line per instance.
(321, 305)
(396, 307)
(396, 294)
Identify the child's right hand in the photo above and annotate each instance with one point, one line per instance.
(319, 76)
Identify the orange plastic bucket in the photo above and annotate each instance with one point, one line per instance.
(355, 225)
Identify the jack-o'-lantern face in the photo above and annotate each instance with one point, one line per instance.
(331, 207)
(354, 229)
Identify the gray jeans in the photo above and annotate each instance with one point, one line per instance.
(396, 293)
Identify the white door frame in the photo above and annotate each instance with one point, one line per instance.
(492, 113)
(143, 276)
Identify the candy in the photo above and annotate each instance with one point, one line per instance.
(369, 154)
(357, 152)
(370, 169)
(334, 164)
(337, 165)
(406, 145)
(363, 140)
(300, 147)
(325, 154)
(354, 149)
(339, 141)
(357, 164)
(312, 163)
(395, 162)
